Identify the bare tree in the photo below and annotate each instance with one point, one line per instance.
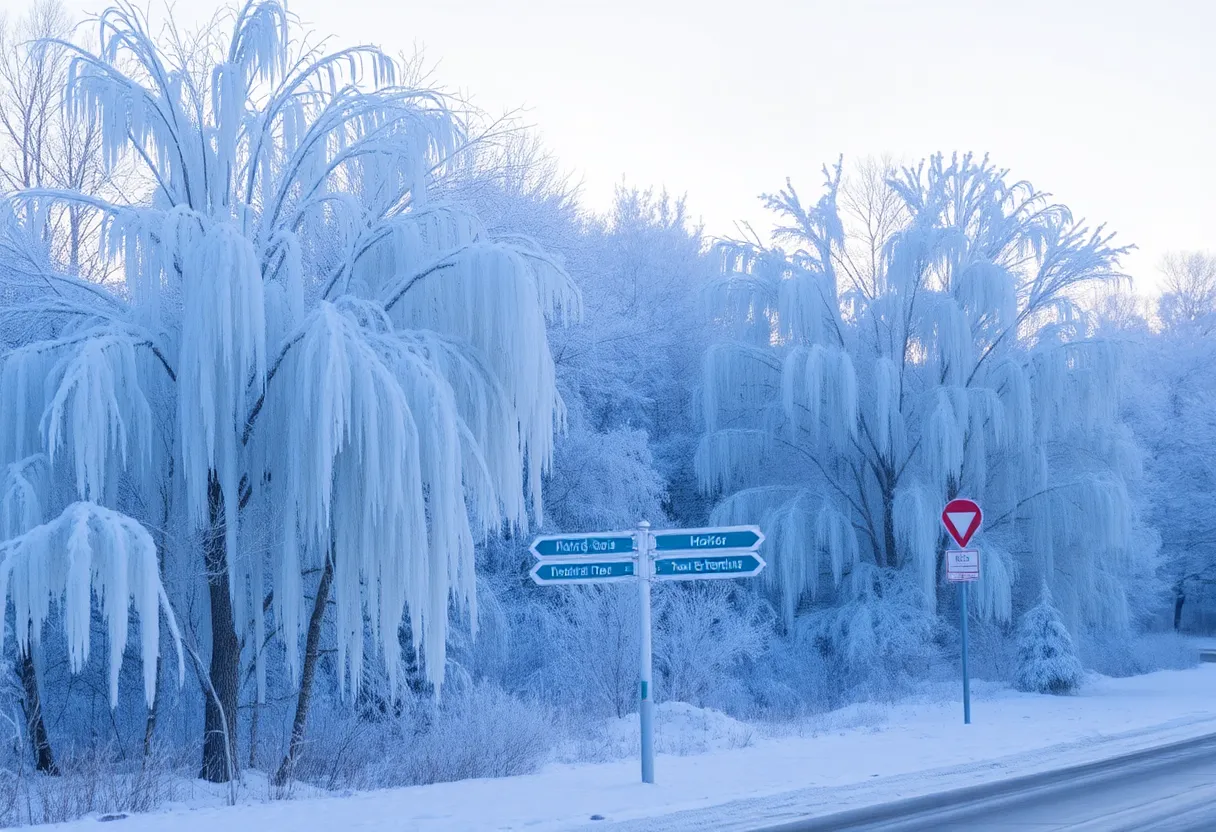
(869, 204)
(1190, 290)
(40, 147)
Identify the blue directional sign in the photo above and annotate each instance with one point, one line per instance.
(582, 571)
(743, 538)
(707, 567)
(601, 543)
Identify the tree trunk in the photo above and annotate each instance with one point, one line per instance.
(254, 718)
(888, 527)
(44, 760)
(150, 722)
(224, 671)
(1179, 600)
(312, 650)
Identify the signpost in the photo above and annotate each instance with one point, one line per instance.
(672, 555)
(962, 518)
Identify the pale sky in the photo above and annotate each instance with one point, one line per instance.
(1108, 104)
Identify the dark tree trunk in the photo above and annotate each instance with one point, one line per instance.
(888, 527)
(312, 650)
(150, 722)
(1179, 600)
(224, 672)
(44, 760)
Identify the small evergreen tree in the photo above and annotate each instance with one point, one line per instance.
(1047, 661)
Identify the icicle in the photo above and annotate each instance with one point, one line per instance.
(220, 353)
(737, 379)
(886, 398)
(916, 532)
(943, 452)
(836, 538)
(723, 458)
(791, 369)
(994, 590)
(98, 412)
(89, 550)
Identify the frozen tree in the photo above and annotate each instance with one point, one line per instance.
(333, 373)
(1047, 662)
(40, 145)
(1189, 296)
(921, 339)
(1171, 409)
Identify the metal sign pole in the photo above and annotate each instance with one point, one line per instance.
(646, 688)
(966, 676)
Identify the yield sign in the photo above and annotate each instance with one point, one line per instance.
(962, 518)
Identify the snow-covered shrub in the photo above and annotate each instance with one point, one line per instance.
(702, 634)
(475, 731)
(790, 680)
(602, 480)
(589, 640)
(1047, 660)
(480, 732)
(876, 645)
(993, 652)
(98, 780)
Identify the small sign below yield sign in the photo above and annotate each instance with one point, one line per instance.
(962, 565)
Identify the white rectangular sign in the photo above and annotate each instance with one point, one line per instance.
(962, 565)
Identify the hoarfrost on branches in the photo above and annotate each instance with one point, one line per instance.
(299, 337)
(924, 341)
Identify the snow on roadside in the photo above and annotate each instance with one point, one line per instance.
(680, 729)
(865, 754)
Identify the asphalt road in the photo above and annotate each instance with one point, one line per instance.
(1168, 789)
(1171, 788)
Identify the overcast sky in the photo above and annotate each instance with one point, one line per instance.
(1108, 104)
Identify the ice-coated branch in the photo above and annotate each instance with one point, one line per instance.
(89, 551)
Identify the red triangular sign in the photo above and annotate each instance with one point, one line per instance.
(962, 518)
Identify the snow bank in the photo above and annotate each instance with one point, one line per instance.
(859, 756)
(680, 729)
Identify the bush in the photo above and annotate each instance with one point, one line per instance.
(97, 780)
(702, 633)
(876, 646)
(481, 732)
(1047, 660)
(478, 731)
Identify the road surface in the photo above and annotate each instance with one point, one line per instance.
(1171, 788)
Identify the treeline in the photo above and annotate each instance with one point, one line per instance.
(298, 354)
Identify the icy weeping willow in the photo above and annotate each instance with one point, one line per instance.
(923, 344)
(301, 362)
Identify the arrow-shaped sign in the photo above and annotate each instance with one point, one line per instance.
(744, 538)
(603, 543)
(705, 567)
(582, 571)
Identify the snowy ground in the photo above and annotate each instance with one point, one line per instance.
(860, 755)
